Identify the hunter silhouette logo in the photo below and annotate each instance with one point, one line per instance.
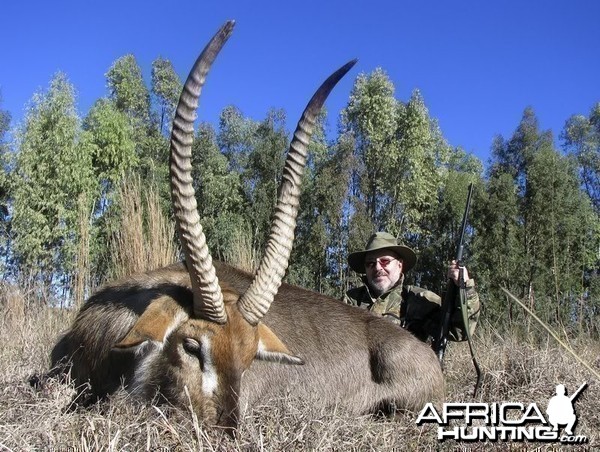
(560, 409)
(507, 421)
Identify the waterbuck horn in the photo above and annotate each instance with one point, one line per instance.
(208, 299)
(255, 302)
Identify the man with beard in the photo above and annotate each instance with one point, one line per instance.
(383, 264)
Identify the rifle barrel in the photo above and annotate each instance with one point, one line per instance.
(463, 228)
(576, 393)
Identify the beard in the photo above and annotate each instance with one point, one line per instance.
(380, 284)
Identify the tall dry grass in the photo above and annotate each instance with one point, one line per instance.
(240, 251)
(145, 237)
(82, 278)
(516, 370)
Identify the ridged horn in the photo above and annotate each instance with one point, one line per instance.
(208, 299)
(255, 302)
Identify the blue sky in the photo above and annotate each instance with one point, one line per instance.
(478, 64)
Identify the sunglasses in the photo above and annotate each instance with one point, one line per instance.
(384, 262)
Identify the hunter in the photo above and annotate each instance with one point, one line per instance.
(383, 264)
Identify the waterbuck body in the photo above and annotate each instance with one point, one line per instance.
(215, 338)
(351, 357)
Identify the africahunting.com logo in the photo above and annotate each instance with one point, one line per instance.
(508, 421)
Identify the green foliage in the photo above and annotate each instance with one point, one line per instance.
(372, 114)
(127, 88)
(219, 193)
(108, 137)
(237, 137)
(166, 88)
(402, 156)
(262, 174)
(5, 186)
(538, 230)
(52, 171)
(497, 254)
(559, 249)
(420, 170)
(581, 137)
(438, 244)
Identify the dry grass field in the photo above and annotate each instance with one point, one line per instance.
(516, 370)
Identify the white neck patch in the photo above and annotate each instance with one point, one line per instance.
(210, 380)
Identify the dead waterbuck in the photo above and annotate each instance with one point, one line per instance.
(217, 338)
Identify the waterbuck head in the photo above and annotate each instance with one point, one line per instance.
(196, 347)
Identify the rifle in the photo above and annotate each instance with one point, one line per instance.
(576, 393)
(449, 303)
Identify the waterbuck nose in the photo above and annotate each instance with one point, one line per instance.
(228, 420)
(229, 414)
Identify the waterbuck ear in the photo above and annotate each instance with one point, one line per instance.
(156, 322)
(270, 348)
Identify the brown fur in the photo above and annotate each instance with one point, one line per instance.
(351, 357)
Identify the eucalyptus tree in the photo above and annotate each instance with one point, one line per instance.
(553, 223)
(108, 137)
(127, 88)
(261, 177)
(131, 96)
(5, 190)
(513, 157)
(443, 222)
(219, 194)
(52, 175)
(372, 115)
(581, 137)
(166, 87)
(236, 137)
(563, 238)
(498, 256)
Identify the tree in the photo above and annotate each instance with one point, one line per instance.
(52, 172)
(131, 97)
(512, 157)
(166, 88)
(372, 114)
(127, 89)
(5, 187)
(541, 234)
(237, 137)
(581, 138)
(219, 194)
(443, 221)
(418, 175)
(261, 177)
(497, 245)
(108, 137)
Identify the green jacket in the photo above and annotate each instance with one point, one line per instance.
(418, 310)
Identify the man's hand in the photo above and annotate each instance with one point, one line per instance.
(454, 273)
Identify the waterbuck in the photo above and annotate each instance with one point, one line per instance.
(207, 335)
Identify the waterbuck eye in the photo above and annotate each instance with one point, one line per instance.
(192, 346)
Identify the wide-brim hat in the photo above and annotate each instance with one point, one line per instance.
(378, 241)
